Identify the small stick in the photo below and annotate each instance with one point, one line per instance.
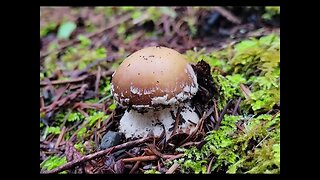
(212, 119)
(136, 165)
(197, 128)
(222, 114)
(44, 83)
(236, 106)
(159, 167)
(97, 81)
(216, 115)
(145, 158)
(60, 137)
(83, 159)
(65, 118)
(175, 157)
(172, 168)
(83, 125)
(141, 158)
(153, 148)
(60, 92)
(225, 110)
(75, 125)
(262, 140)
(245, 91)
(209, 166)
(190, 144)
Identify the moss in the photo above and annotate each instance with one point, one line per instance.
(254, 63)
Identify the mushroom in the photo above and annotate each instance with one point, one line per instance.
(153, 83)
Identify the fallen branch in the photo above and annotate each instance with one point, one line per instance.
(83, 159)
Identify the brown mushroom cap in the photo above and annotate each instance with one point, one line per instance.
(154, 76)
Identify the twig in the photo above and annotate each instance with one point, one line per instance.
(236, 106)
(174, 157)
(211, 119)
(216, 114)
(222, 114)
(43, 83)
(190, 144)
(158, 165)
(245, 91)
(262, 140)
(59, 94)
(172, 168)
(76, 132)
(209, 166)
(136, 165)
(97, 81)
(75, 41)
(199, 126)
(141, 158)
(60, 137)
(65, 118)
(82, 105)
(83, 159)
(106, 122)
(146, 158)
(153, 148)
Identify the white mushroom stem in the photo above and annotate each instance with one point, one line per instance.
(134, 124)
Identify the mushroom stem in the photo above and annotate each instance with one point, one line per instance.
(135, 124)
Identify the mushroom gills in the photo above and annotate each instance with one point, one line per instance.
(137, 125)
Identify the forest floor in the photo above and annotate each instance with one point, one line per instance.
(235, 52)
